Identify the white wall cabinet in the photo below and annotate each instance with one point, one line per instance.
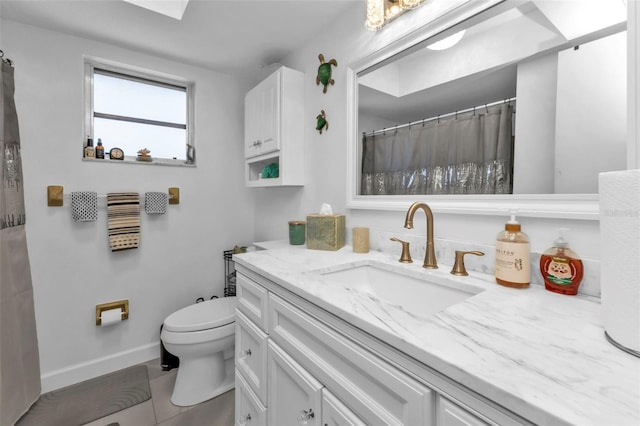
(321, 371)
(274, 130)
(262, 116)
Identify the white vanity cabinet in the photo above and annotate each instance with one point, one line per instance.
(451, 414)
(274, 117)
(375, 390)
(308, 366)
(249, 410)
(335, 413)
(295, 396)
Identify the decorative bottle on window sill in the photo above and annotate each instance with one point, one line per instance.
(100, 150)
(89, 151)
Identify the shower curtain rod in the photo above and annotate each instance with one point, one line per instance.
(438, 117)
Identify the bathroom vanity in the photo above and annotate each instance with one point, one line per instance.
(332, 338)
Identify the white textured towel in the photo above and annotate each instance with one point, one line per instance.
(620, 258)
(155, 202)
(84, 206)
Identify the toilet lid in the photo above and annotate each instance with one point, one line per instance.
(203, 316)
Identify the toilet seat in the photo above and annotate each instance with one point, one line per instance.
(195, 337)
(202, 316)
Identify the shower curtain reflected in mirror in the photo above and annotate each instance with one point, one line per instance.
(467, 154)
(19, 357)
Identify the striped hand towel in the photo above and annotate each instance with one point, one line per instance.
(123, 210)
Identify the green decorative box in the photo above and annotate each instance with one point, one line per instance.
(325, 232)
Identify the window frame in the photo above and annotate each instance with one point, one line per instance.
(143, 76)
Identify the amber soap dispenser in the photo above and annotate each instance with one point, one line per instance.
(513, 253)
(561, 267)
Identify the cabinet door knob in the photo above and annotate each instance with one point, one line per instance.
(245, 419)
(305, 416)
(247, 352)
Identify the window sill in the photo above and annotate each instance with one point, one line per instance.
(155, 162)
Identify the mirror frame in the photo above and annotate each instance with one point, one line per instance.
(559, 206)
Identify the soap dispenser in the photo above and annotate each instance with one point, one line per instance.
(561, 267)
(513, 265)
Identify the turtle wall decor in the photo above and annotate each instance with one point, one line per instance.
(324, 72)
(321, 122)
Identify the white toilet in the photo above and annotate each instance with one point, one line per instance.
(202, 336)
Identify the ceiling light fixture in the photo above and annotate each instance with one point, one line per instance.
(379, 12)
(447, 42)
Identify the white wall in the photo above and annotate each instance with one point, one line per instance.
(534, 150)
(591, 113)
(348, 42)
(180, 255)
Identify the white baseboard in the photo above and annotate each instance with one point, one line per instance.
(73, 374)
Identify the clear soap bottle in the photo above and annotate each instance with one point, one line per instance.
(513, 253)
(561, 267)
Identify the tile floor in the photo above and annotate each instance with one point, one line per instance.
(160, 411)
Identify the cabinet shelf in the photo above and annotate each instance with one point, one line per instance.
(255, 165)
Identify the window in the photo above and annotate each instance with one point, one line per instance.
(131, 110)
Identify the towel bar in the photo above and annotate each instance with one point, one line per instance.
(56, 195)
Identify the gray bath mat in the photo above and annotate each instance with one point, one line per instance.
(90, 400)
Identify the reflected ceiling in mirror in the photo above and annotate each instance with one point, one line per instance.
(564, 62)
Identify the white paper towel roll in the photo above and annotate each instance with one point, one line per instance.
(620, 258)
(111, 316)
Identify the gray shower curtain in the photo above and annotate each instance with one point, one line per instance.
(19, 358)
(466, 154)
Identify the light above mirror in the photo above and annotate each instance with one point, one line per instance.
(379, 12)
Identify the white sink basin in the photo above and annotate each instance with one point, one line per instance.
(415, 295)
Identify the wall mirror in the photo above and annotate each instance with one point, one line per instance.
(558, 71)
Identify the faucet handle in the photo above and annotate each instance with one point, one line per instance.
(458, 266)
(405, 257)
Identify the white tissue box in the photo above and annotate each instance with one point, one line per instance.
(325, 232)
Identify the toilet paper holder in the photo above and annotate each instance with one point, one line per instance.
(120, 304)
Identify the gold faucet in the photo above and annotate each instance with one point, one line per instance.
(430, 254)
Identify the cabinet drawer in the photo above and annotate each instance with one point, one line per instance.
(335, 413)
(249, 409)
(252, 300)
(451, 414)
(251, 355)
(376, 391)
(295, 397)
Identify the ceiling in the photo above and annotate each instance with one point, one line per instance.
(237, 37)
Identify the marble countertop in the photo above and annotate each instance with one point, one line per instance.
(539, 354)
